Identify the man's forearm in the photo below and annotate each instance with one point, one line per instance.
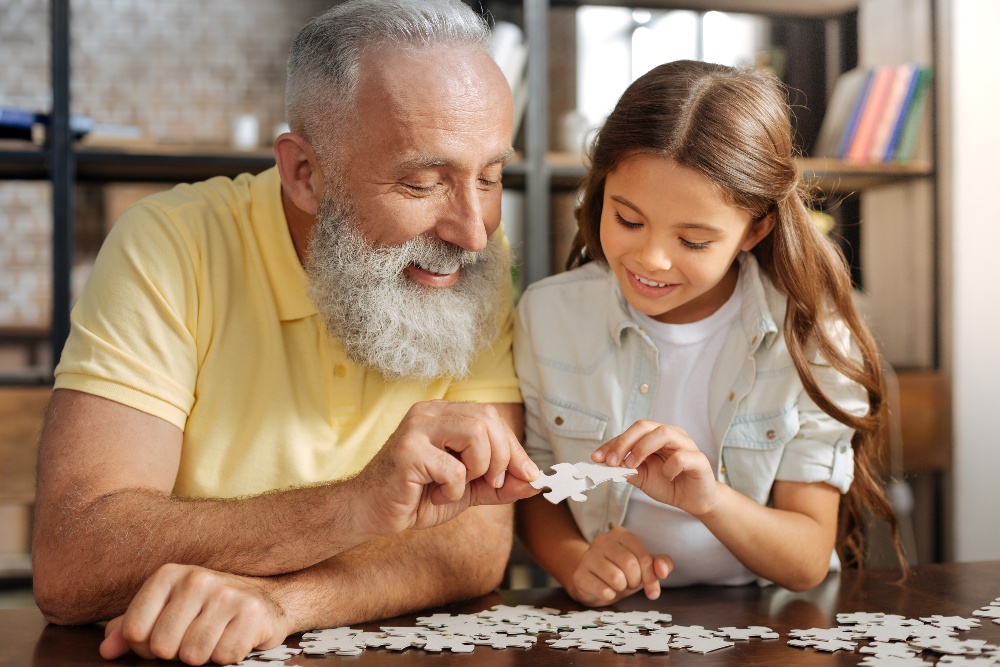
(416, 569)
(91, 557)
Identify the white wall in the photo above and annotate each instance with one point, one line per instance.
(970, 63)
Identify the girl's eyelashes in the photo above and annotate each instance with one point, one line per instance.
(692, 245)
(625, 223)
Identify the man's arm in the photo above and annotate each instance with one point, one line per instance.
(458, 560)
(461, 559)
(105, 520)
(193, 614)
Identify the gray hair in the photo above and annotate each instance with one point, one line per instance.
(324, 61)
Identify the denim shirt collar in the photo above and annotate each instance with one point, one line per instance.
(618, 317)
(758, 322)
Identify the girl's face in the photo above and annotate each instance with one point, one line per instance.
(672, 238)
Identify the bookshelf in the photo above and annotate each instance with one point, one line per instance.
(539, 174)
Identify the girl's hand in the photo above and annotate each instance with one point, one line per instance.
(615, 566)
(671, 468)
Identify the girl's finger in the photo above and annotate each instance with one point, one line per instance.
(647, 577)
(616, 449)
(684, 462)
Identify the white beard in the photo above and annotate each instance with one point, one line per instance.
(389, 322)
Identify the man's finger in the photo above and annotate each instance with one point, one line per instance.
(114, 645)
(202, 637)
(513, 489)
(520, 464)
(183, 607)
(143, 612)
(448, 473)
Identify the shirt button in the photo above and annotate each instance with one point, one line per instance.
(753, 340)
(770, 434)
(558, 421)
(643, 388)
(340, 370)
(722, 470)
(731, 396)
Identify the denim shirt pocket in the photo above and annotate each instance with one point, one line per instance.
(753, 449)
(575, 431)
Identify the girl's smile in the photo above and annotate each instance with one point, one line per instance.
(649, 287)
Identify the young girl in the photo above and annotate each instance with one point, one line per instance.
(707, 329)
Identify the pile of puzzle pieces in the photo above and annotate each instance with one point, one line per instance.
(892, 641)
(896, 641)
(518, 627)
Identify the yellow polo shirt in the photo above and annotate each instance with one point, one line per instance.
(196, 312)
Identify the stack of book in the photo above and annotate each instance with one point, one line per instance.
(875, 114)
(31, 126)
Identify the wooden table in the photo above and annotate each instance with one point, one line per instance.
(947, 590)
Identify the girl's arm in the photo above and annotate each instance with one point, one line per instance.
(789, 544)
(550, 534)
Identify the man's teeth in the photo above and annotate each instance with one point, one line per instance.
(440, 269)
(645, 281)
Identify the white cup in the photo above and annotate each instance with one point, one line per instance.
(245, 132)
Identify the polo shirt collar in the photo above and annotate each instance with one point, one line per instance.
(284, 271)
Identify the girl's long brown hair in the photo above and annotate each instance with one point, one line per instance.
(734, 126)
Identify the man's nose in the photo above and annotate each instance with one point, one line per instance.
(462, 219)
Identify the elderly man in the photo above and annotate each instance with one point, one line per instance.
(288, 401)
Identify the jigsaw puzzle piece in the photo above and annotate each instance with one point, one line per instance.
(563, 484)
(598, 473)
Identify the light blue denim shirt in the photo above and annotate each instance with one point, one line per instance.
(588, 372)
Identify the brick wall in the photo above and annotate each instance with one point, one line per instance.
(178, 69)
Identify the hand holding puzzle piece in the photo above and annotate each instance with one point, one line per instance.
(572, 479)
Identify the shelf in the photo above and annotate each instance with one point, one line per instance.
(168, 163)
(22, 160)
(810, 9)
(833, 176)
(839, 177)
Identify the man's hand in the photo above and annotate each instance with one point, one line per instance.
(616, 566)
(443, 458)
(189, 613)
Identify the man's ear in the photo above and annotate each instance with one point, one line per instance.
(759, 230)
(301, 176)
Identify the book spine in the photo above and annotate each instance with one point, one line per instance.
(906, 147)
(897, 129)
(851, 128)
(901, 80)
(861, 146)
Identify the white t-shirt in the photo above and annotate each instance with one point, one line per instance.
(687, 354)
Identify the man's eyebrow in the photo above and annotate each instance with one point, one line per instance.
(699, 226)
(430, 161)
(506, 156)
